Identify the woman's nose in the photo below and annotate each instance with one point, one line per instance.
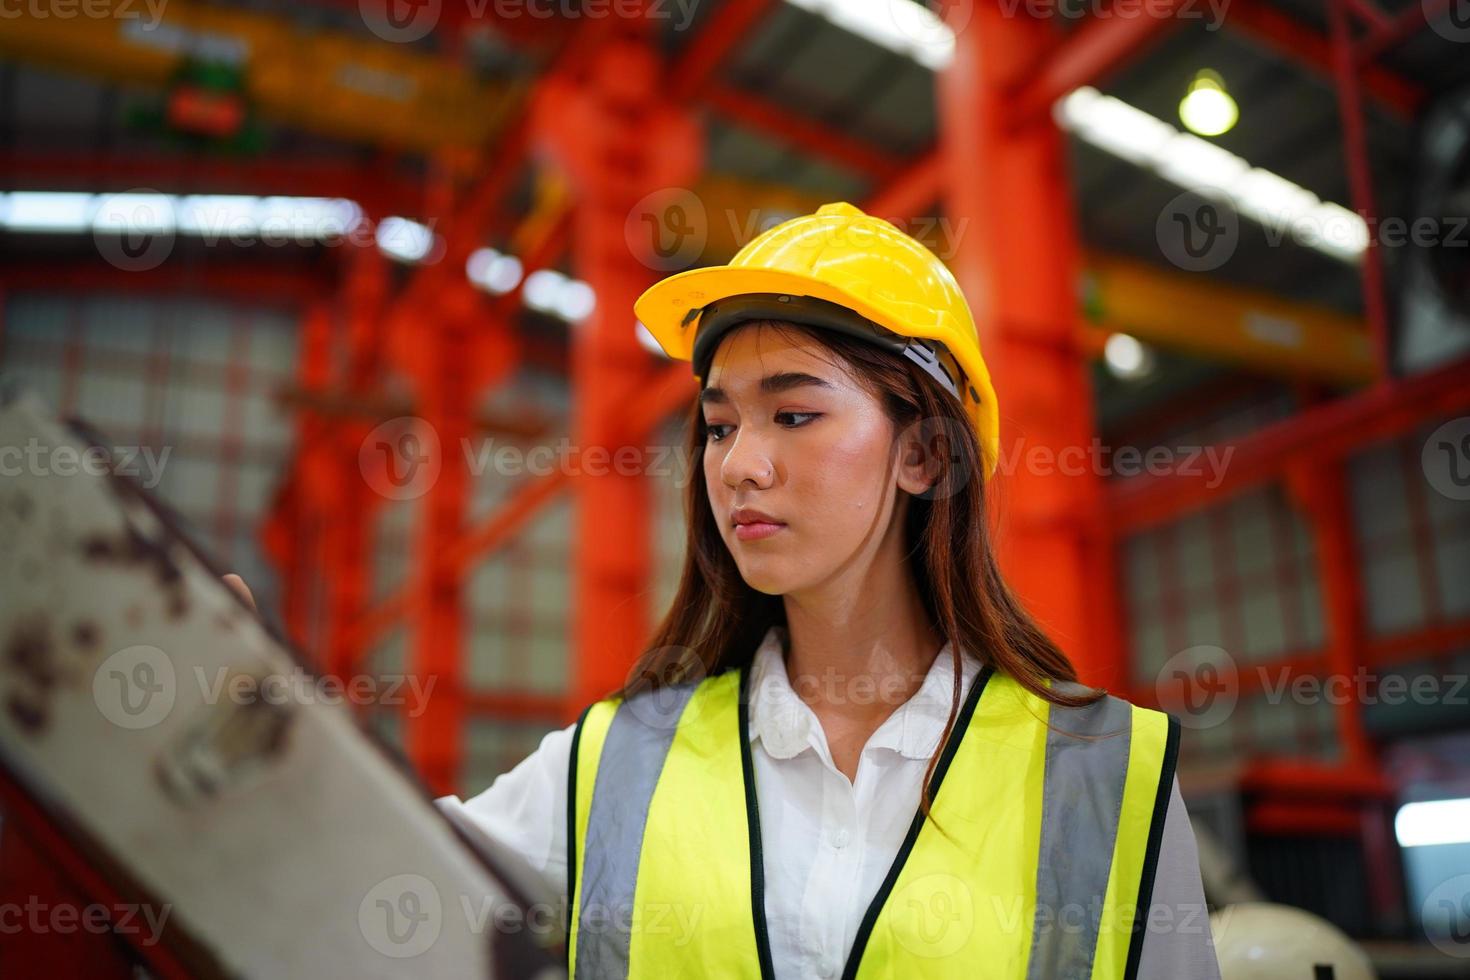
(746, 460)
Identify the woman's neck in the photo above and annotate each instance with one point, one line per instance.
(860, 652)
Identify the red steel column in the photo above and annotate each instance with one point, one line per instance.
(434, 739)
(1348, 85)
(1008, 202)
(293, 529)
(614, 130)
(348, 546)
(1321, 492)
(454, 346)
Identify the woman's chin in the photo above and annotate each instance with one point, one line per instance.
(767, 577)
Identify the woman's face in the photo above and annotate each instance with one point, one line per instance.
(793, 436)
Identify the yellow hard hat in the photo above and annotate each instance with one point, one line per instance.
(844, 270)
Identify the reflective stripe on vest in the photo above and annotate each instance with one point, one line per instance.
(1054, 817)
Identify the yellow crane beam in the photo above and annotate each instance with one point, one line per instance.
(1204, 317)
(328, 82)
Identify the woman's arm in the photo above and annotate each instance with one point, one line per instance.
(525, 809)
(1177, 944)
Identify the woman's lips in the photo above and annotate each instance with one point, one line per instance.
(757, 530)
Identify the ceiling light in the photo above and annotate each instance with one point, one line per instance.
(405, 240)
(45, 211)
(1210, 170)
(1433, 822)
(905, 27)
(1127, 357)
(1207, 108)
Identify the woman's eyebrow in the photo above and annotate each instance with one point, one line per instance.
(771, 384)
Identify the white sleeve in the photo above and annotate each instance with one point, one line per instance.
(525, 809)
(1177, 944)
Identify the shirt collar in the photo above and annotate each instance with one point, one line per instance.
(786, 725)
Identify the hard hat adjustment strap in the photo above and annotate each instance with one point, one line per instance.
(718, 318)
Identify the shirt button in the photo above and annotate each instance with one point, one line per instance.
(839, 839)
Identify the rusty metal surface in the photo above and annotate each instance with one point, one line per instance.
(186, 752)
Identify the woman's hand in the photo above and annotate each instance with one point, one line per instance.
(238, 584)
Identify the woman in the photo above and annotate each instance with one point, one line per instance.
(800, 777)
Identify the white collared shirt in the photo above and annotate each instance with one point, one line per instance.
(828, 842)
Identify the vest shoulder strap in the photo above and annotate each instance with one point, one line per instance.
(1109, 771)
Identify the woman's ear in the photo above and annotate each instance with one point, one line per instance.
(920, 458)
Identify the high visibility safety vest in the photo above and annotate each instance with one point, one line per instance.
(1054, 816)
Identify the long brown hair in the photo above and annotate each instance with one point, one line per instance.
(716, 621)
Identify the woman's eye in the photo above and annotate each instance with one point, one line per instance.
(792, 420)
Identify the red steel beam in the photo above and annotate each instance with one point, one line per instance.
(1293, 818)
(375, 188)
(1379, 653)
(1399, 27)
(293, 529)
(477, 542)
(1360, 182)
(805, 134)
(1314, 779)
(1321, 488)
(1369, 13)
(1089, 53)
(43, 861)
(434, 739)
(913, 191)
(348, 540)
(284, 285)
(668, 389)
(730, 24)
(1401, 648)
(523, 706)
(1327, 431)
(1303, 45)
